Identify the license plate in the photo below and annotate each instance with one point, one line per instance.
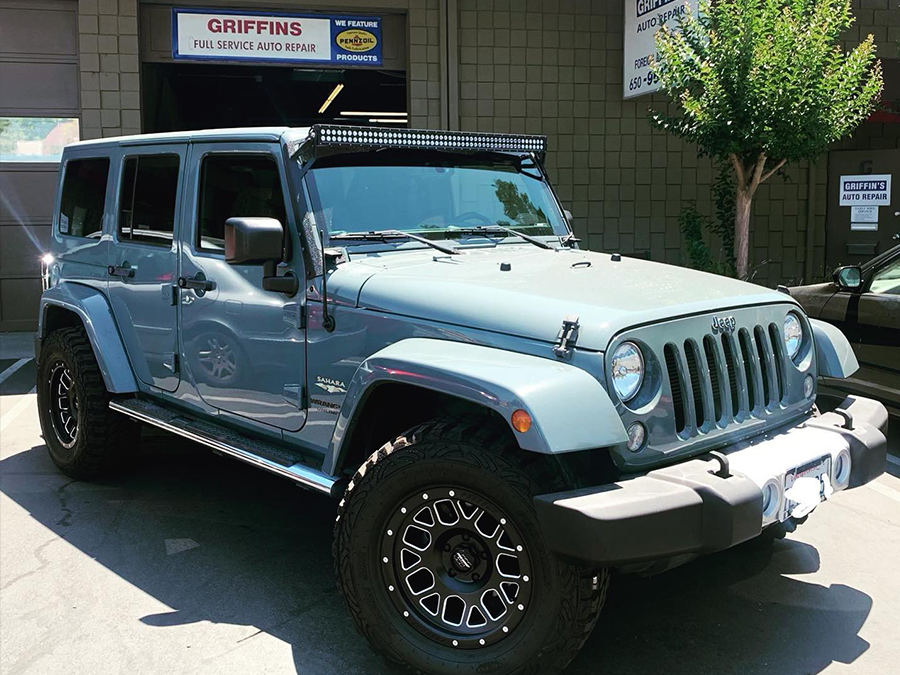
(819, 470)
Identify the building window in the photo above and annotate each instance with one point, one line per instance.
(147, 204)
(83, 197)
(232, 186)
(36, 139)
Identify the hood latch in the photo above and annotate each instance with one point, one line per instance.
(568, 336)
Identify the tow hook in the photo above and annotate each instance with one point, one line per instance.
(724, 468)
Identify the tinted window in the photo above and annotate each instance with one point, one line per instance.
(887, 279)
(83, 196)
(147, 204)
(236, 186)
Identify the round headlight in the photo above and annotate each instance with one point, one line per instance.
(627, 370)
(793, 335)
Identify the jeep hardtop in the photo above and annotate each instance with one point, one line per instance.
(403, 320)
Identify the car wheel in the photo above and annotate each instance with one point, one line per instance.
(81, 432)
(442, 564)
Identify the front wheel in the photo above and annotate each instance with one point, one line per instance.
(441, 562)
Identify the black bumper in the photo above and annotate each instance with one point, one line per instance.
(686, 508)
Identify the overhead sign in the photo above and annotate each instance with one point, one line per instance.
(642, 19)
(866, 190)
(268, 36)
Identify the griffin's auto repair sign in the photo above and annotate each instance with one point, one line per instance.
(642, 19)
(263, 36)
(867, 190)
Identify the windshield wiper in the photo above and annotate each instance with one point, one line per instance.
(487, 229)
(384, 235)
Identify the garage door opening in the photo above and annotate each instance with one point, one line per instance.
(182, 97)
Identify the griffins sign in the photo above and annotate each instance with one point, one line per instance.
(642, 19)
(267, 36)
(866, 190)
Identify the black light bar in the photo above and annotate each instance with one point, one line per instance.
(329, 135)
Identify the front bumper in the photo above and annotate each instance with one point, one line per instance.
(688, 508)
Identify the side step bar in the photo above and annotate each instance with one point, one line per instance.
(258, 453)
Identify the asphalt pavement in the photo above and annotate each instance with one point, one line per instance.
(192, 563)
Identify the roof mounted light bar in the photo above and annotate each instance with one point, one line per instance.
(329, 135)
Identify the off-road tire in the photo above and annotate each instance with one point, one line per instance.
(567, 599)
(101, 433)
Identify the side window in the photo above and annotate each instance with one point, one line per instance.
(887, 280)
(236, 185)
(147, 200)
(83, 197)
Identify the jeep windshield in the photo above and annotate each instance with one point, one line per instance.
(437, 195)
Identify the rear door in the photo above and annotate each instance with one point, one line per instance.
(244, 347)
(877, 335)
(143, 259)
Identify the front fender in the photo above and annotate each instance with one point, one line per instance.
(834, 354)
(91, 306)
(569, 408)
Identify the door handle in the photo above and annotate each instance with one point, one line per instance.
(196, 283)
(116, 271)
(896, 236)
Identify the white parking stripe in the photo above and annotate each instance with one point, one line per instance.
(890, 493)
(17, 409)
(893, 460)
(12, 369)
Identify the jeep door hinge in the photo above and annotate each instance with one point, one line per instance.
(170, 361)
(568, 336)
(293, 315)
(295, 394)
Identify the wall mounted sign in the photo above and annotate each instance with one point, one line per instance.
(642, 19)
(209, 35)
(863, 214)
(866, 190)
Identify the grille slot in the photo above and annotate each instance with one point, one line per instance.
(728, 349)
(710, 349)
(749, 359)
(778, 349)
(675, 386)
(765, 373)
(690, 355)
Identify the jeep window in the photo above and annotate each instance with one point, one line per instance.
(432, 194)
(887, 279)
(147, 203)
(236, 185)
(83, 197)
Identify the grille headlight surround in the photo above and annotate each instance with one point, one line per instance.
(627, 370)
(793, 334)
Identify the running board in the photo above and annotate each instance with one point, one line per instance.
(222, 439)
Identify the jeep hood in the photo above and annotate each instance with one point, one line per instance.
(539, 289)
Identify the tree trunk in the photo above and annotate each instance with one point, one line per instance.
(743, 202)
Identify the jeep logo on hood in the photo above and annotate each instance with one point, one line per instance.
(723, 324)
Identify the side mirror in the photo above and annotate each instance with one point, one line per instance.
(253, 240)
(568, 215)
(848, 277)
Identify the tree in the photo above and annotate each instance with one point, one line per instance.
(758, 84)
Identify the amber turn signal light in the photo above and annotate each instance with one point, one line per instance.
(521, 421)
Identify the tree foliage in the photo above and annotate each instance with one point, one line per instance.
(760, 83)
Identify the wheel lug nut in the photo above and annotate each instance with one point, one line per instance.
(452, 573)
(465, 537)
(484, 555)
(476, 576)
(447, 548)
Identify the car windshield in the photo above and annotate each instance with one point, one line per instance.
(435, 195)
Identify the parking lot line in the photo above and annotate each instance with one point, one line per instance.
(21, 405)
(12, 369)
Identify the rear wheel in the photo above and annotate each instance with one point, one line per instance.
(442, 564)
(81, 432)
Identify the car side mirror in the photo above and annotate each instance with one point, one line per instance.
(253, 241)
(260, 241)
(568, 215)
(848, 277)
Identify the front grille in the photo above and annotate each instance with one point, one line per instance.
(731, 378)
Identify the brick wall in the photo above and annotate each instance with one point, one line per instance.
(555, 67)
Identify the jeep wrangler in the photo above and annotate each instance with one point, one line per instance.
(403, 320)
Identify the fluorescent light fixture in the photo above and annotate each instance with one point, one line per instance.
(357, 113)
(387, 120)
(333, 95)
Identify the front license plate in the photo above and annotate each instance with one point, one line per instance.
(818, 470)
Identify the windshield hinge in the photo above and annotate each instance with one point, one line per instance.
(568, 336)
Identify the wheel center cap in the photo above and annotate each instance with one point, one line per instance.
(462, 560)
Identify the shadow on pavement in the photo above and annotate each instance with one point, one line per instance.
(264, 561)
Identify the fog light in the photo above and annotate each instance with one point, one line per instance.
(521, 421)
(842, 469)
(771, 500)
(809, 384)
(637, 434)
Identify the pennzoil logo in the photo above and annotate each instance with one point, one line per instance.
(356, 40)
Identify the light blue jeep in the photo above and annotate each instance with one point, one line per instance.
(403, 320)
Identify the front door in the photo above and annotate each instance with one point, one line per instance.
(143, 259)
(245, 347)
(856, 234)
